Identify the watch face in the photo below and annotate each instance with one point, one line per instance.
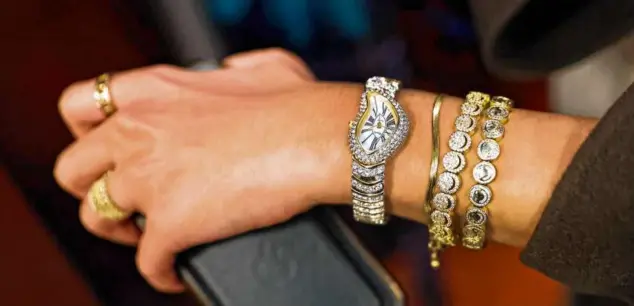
(378, 123)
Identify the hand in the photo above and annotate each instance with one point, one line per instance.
(208, 155)
(203, 155)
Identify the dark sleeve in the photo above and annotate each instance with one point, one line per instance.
(585, 238)
(527, 38)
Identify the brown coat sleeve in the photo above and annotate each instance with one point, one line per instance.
(524, 38)
(585, 238)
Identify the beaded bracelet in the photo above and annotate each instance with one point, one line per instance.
(480, 194)
(454, 162)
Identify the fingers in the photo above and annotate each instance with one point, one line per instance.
(123, 232)
(88, 159)
(156, 259)
(80, 111)
(272, 56)
(120, 193)
(262, 71)
(84, 162)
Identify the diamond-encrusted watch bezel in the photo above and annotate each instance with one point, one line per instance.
(377, 83)
(393, 143)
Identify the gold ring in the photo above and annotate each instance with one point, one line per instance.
(103, 204)
(103, 96)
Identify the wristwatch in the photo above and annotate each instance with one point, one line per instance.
(378, 130)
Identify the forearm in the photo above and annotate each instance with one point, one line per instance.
(536, 149)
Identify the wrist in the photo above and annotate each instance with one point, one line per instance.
(529, 168)
(332, 106)
(406, 171)
(566, 137)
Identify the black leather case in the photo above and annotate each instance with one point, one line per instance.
(313, 260)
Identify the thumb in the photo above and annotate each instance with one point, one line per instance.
(155, 261)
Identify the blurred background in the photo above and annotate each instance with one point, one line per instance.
(47, 258)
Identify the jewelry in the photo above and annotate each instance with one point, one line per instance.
(435, 151)
(379, 129)
(103, 204)
(102, 95)
(454, 162)
(480, 195)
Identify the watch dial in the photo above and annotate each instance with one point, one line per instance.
(378, 123)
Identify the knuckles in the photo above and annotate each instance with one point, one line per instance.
(283, 53)
(68, 97)
(157, 78)
(62, 172)
(91, 226)
(145, 268)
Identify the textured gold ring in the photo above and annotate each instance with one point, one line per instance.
(103, 204)
(103, 96)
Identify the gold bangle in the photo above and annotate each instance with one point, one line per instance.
(454, 162)
(480, 195)
(435, 150)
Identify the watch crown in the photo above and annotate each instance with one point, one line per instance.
(350, 124)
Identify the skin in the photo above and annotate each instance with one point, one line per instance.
(209, 155)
